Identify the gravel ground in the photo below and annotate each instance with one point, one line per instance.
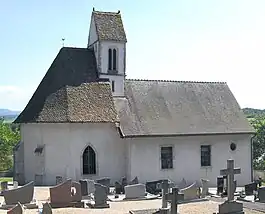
(208, 207)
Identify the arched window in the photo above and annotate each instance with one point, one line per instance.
(114, 60)
(89, 161)
(110, 59)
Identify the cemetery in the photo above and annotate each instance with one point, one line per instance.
(162, 196)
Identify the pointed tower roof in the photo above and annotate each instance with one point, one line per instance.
(109, 26)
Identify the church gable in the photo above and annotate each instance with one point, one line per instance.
(179, 108)
(109, 26)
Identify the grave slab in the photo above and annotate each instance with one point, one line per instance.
(135, 191)
(23, 194)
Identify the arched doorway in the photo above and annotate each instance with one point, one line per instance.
(89, 161)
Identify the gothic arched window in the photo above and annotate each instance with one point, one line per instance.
(89, 161)
(112, 59)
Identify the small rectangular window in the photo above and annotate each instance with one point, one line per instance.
(167, 157)
(113, 86)
(205, 155)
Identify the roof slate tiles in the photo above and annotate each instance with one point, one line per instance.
(109, 26)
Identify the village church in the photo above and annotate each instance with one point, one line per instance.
(86, 120)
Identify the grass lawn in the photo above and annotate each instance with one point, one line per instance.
(6, 179)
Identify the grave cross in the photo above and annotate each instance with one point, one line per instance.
(173, 197)
(164, 186)
(230, 172)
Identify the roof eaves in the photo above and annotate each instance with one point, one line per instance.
(185, 134)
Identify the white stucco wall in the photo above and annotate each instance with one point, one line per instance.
(93, 37)
(64, 145)
(145, 158)
(117, 78)
(104, 48)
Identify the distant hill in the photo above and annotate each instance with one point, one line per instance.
(253, 113)
(9, 115)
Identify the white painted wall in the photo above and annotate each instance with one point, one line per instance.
(145, 158)
(64, 145)
(93, 40)
(120, 47)
(120, 77)
(93, 37)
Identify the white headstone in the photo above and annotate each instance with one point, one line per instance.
(135, 191)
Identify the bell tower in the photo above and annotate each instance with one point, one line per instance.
(108, 39)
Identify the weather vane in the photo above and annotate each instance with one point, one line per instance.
(63, 41)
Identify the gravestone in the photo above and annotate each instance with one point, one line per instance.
(59, 180)
(118, 188)
(152, 187)
(46, 208)
(164, 186)
(4, 185)
(15, 184)
(250, 188)
(76, 193)
(123, 183)
(101, 196)
(173, 198)
(23, 194)
(230, 206)
(205, 187)
(84, 187)
(60, 195)
(182, 184)
(190, 192)
(134, 181)
(220, 184)
(87, 187)
(18, 209)
(135, 191)
(105, 182)
(261, 194)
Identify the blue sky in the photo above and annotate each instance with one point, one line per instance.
(220, 40)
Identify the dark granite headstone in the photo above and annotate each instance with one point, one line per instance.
(261, 194)
(105, 182)
(118, 188)
(46, 208)
(123, 183)
(152, 187)
(18, 209)
(220, 184)
(250, 188)
(84, 187)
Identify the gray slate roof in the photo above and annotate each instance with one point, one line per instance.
(109, 26)
(71, 67)
(179, 108)
(89, 102)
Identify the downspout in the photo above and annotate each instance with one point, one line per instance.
(251, 155)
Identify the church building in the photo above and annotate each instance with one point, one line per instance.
(87, 120)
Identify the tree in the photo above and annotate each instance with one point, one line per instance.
(259, 143)
(8, 139)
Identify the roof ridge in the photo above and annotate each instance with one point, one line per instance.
(68, 47)
(177, 81)
(106, 12)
